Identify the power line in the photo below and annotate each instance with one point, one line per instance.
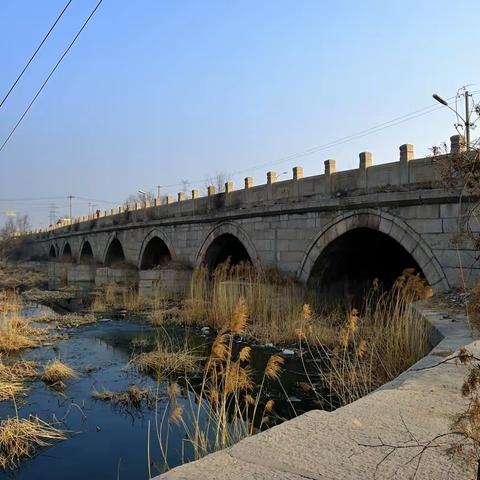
(50, 75)
(340, 141)
(35, 53)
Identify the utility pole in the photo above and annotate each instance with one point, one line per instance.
(70, 202)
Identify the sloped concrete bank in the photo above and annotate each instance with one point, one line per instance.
(356, 441)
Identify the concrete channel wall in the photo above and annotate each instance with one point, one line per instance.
(346, 443)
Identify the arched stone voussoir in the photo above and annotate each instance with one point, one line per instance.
(233, 229)
(156, 232)
(385, 223)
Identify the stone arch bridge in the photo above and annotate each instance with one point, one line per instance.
(370, 222)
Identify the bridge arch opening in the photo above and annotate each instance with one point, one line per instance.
(67, 253)
(86, 254)
(115, 256)
(156, 254)
(349, 265)
(225, 247)
(52, 252)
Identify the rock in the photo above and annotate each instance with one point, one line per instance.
(268, 345)
(288, 352)
(205, 330)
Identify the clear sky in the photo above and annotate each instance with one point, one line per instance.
(156, 91)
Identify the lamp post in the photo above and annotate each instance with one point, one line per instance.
(466, 120)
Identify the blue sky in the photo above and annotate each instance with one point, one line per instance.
(157, 91)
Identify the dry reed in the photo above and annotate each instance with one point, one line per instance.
(275, 305)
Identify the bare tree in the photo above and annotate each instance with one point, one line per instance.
(218, 181)
(139, 197)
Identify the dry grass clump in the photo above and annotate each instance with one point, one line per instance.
(70, 320)
(132, 398)
(56, 372)
(46, 296)
(166, 359)
(16, 333)
(9, 390)
(12, 377)
(20, 370)
(20, 438)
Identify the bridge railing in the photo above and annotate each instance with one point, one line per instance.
(367, 177)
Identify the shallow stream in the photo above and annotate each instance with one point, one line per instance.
(106, 442)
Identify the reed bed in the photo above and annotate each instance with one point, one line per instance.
(275, 303)
(374, 345)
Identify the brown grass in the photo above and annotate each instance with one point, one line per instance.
(275, 304)
(47, 296)
(70, 320)
(374, 345)
(16, 333)
(56, 372)
(132, 398)
(20, 438)
(119, 297)
(167, 359)
(13, 278)
(221, 411)
(12, 377)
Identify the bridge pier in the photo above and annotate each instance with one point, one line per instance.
(110, 275)
(168, 282)
(57, 274)
(82, 275)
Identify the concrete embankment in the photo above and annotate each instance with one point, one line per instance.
(379, 436)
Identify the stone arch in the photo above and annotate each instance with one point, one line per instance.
(66, 252)
(86, 254)
(52, 251)
(375, 220)
(114, 252)
(222, 237)
(155, 250)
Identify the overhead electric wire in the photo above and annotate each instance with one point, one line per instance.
(35, 53)
(362, 133)
(50, 74)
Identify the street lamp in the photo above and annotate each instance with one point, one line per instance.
(466, 120)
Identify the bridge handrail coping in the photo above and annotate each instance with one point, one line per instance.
(407, 170)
